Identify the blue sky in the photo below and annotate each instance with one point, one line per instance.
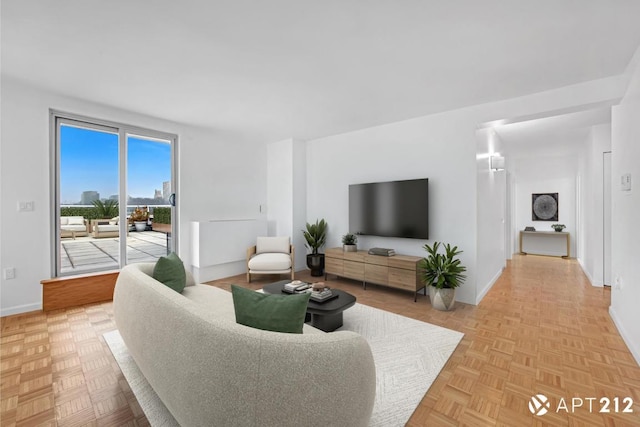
(89, 162)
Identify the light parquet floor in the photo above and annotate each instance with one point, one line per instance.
(542, 329)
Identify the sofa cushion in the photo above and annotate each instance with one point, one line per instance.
(277, 313)
(114, 220)
(273, 244)
(76, 220)
(64, 220)
(73, 227)
(170, 271)
(107, 227)
(270, 262)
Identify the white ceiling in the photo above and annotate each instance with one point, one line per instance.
(305, 69)
(546, 135)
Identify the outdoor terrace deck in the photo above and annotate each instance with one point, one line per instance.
(84, 254)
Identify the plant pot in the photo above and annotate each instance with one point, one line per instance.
(558, 230)
(315, 262)
(442, 299)
(140, 225)
(350, 248)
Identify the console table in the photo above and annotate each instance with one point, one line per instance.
(398, 271)
(551, 243)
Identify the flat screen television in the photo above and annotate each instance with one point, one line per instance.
(390, 209)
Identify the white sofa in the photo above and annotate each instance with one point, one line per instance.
(210, 371)
(73, 226)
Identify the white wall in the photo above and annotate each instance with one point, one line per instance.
(625, 144)
(280, 188)
(546, 175)
(491, 199)
(299, 202)
(430, 147)
(286, 193)
(441, 147)
(592, 203)
(212, 170)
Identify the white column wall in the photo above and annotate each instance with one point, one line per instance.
(592, 194)
(625, 268)
(491, 199)
(286, 193)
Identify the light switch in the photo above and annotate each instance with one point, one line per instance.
(25, 206)
(625, 182)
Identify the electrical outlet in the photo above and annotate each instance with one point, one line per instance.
(9, 273)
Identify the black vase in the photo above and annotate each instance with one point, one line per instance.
(315, 262)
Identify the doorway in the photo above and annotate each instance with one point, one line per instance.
(112, 186)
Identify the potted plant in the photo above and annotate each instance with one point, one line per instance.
(315, 235)
(558, 227)
(107, 209)
(442, 273)
(349, 241)
(139, 218)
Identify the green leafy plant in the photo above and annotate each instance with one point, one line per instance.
(107, 209)
(86, 212)
(315, 235)
(558, 227)
(442, 270)
(349, 239)
(162, 215)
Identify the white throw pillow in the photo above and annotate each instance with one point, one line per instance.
(64, 220)
(76, 220)
(272, 245)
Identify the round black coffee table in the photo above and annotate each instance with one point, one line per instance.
(327, 315)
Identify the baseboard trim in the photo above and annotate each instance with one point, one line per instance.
(20, 309)
(489, 286)
(593, 282)
(635, 352)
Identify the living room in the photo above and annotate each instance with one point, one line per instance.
(227, 172)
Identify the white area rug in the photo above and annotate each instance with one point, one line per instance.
(408, 354)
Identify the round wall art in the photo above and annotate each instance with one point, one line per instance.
(544, 207)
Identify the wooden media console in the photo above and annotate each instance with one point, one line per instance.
(398, 271)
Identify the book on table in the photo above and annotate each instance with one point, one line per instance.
(295, 287)
(322, 296)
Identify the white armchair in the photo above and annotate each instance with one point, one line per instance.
(270, 255)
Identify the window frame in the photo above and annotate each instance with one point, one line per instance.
(58, 118)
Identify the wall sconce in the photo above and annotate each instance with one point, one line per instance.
(497, 163)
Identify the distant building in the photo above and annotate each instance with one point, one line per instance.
(166, 190)
(158, 195)
(114, 197)
(88, 197)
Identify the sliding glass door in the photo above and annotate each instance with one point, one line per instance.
(148, 197)
(112, 192)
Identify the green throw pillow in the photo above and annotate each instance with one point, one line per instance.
(170, 271)
(278, 313)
